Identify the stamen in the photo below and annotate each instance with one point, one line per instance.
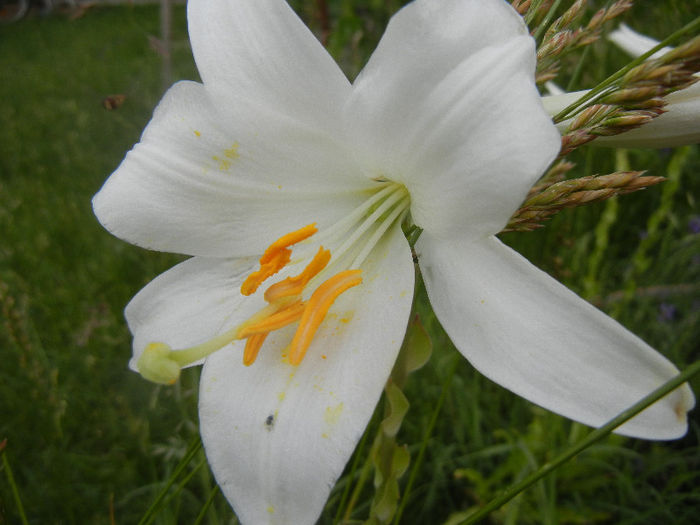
(268, 269)
(400, 210)
(288, 240)
(347, 222)
(272, 322)
(293, 286)
(387, 204)
(316, 310)
(252, 347)
(276, 257)
(353, 238)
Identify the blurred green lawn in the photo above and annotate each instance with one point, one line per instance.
(90, 442)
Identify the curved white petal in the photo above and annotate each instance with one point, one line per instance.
(553, 89)
(447, 105)
(203, 185)
(529, 333)
(190, 304)
(680, 125)
(258, 53)
(277, 436)
(634, 43)
(555, 103)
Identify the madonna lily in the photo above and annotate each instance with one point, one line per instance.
(680, 125)
(288, 186)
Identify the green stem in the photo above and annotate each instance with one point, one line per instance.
(541, 28)
(597, 90)
(13, 486)
(579, 68)
(589, 440)
(532, 11)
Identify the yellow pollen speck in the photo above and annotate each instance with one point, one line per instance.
(332, 414)
(224, 164)
(323, 357)
(281, 396)
(324, 435)
(483, 301)
(199, 134)
(271, 509)
(232, 152)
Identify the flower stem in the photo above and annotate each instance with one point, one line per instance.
(589, 440)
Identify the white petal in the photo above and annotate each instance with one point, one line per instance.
(634, 43)
(277, 436)
(258, 53)
(189, 304)
(529, 333)
(680, 125)
(203, 185)
(447, 105)
(553, 89)
(555, 103)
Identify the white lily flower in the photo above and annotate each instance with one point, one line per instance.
(680, 125)
(276, 152)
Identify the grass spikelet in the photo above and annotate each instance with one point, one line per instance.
(572, 193)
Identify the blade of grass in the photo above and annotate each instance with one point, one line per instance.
(13, 484)
(353, 470)
(426, 438)
(586, 442)
(207, 504)
(192, 450)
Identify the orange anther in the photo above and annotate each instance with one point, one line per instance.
(316, 309)
(270, 268)
(273, 321)
(275, 258)
(295, 285)
(252, 347)
(288, 240)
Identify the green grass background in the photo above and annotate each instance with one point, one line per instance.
(90, 442)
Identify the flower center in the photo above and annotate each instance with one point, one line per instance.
(352, 237)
